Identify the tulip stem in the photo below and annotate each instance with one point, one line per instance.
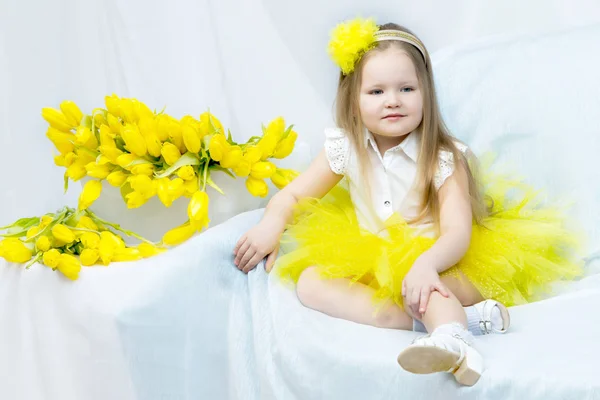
(205, 176)
(118, 228)
(34, 260)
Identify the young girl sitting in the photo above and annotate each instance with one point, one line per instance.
(412, 242)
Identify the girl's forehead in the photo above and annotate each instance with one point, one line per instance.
(390, 63)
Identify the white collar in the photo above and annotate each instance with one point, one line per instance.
(410, 146)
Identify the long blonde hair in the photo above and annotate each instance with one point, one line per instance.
(434, 133)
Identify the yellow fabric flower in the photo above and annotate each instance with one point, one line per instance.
(349, 41)
(178, 235)
(89, 257)
(198, 210)
(257, 187)
(14, 250)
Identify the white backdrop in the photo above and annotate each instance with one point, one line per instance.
(248, 60)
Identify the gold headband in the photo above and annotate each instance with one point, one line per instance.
(392, 34)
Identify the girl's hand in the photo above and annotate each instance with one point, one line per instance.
(256, 244)
(421, 280)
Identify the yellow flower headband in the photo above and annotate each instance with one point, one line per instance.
(352, 39)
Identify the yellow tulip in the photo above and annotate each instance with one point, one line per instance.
(61, 140)
(69, 266)
(286, 146)
(31, 232)
(163, 126)
(162, 191)
(243, 168)
(51, 258)
(84, 137)
(134, 141)
(116, 241)
(45, 221)
(107, 137)
(143, 185)
(257, 187)
(186, 173)
(57, 119)
(198, 210)
(127, 254)
(217, 147)
(117, 178)
(210, 124)
(178, 235)
(71, 112)
(98, 171)
(191, 139)
(148, 250)
(283, 177)
(76, 171)
(232, 157)
(275, 128)
(100, 119)
(170, 152)
(128, 111)
(135, 200)
(268, 144)
(86, 223)
(90, 193)
(112, 153)
(125, 159)
(191, 187)
(253, 154)
(90, 240)
(263, 170)
(176, 188)
(43, 243)
(146, 169)
(153, 144)
(176, 136)
(89, 257)
(63, 234)
(14, 250)
(113, 104)
(113, 122)
(85, 156)
(106, 249)
(142, 110)
(65, 160)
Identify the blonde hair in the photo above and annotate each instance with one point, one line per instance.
(435, 136)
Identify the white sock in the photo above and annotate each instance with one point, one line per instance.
(472, 321)
(454, 328)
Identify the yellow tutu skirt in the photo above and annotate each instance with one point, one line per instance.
(514, 256)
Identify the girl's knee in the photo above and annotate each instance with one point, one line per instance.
(309, 287)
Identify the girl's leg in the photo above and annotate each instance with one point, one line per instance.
(337, 298)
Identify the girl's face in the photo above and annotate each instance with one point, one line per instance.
(391, 103)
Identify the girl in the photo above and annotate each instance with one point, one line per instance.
(412, 229)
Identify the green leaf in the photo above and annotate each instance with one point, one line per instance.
(87, 122)
(66, 183)
(229, 139)
(217, 167)
(287, 132)
(213, 185)
(186, 159)
(21, 223)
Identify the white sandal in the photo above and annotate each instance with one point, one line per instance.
(484, 309)
(442, 352)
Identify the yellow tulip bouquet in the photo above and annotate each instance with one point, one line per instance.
(144, 153)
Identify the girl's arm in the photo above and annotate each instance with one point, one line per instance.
(263, 239)
(456, 222)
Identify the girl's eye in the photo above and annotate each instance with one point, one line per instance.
(376, 91)
(407, 89)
